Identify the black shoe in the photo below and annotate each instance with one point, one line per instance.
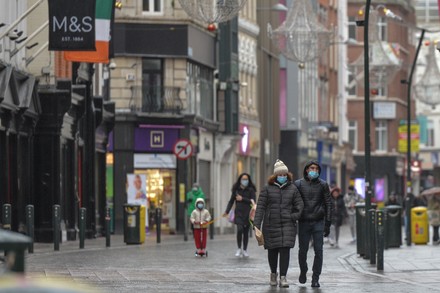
(315, 284)
(302, 278)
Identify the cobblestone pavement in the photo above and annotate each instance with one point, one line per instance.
(172, 267)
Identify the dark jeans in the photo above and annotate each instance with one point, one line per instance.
(306, 231)
(435, 237)
(272, 256)
(242, 234)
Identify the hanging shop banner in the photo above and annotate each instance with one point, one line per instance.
(103, 24)
(72, 25)
(415, 137)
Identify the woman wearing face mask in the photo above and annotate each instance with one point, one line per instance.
(279, 207)
(243, 194)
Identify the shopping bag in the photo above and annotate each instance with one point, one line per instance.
(253, 209)
(231, 216)
(259, 236)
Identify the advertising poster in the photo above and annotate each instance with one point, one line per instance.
(167, 197)
(137, 191)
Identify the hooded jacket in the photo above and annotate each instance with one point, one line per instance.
(316, 196)
(200, 216)
(278, 209)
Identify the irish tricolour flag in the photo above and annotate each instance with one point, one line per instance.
(103, 20)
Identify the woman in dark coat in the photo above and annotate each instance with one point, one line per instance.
(338, 215)
(243, 194)
(279, 207)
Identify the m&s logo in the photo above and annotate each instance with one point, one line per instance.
(72, 24)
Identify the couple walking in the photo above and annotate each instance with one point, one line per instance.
(285, 206)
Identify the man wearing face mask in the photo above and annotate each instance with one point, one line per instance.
(243, 194)
(315, 220)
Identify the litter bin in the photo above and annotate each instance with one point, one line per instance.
(134, 224)
(393, 226)
(360, 228)
(419, 225)
(361, 225)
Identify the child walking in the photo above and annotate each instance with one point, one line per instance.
(199, 218)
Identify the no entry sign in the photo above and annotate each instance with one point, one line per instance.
(183, 149)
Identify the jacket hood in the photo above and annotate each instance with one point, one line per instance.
(313, 162)
(200, 200)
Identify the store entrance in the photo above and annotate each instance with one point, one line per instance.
(161, 193)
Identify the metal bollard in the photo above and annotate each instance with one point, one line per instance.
(380, 236)
(6, 216)
(158, 223)
(82, 227)
(372, 220)
(211, 227)
(30, 225)
(408, 205)
(185, 225)
(107, 228)
(56, 217)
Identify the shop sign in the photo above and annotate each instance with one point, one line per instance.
(155, 139)
(154, 161)
(244, 142)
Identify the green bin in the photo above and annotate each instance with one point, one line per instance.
(393, 226)
(134, 224)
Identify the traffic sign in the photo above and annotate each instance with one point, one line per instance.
(183, 149)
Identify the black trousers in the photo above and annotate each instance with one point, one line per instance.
(242, 235)
(284, 256)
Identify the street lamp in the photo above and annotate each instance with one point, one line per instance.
(212, 11)
(301, 37)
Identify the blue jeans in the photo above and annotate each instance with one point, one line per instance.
(311, 230)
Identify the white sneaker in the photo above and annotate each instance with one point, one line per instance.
(245, 254)
(238, 253)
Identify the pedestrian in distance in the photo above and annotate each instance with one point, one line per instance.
(339, 214)
(243, 195)
(351, 198)
(191, 198)
(434, 217)
(315, 219)
(279, 207)
(392, 199)
(200, 217)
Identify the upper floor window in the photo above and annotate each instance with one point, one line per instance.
(152, 6)
(352, 27)
(352, 134)
(381, 136)
(200, 90)
(382, 28)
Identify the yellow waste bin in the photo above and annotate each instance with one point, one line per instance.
(419, 225)
(134, 224)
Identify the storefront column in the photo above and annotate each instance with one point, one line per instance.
(54, 104)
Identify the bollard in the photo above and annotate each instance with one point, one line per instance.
(14, 244)
(82, 227)
(158, 224)
(372, 220)
(107, 228)
(408, 205)
(380, 238)
(185, 225)
(211, 227)
(30, 221)
(6, 216)
(56, 217)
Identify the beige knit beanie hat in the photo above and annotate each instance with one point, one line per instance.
(280, 168)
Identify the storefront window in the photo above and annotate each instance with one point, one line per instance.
(160, 189)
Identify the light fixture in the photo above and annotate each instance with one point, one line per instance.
(212, 11)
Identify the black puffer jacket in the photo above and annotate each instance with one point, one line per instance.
(278, 208)
(243, 207)
(316, 196)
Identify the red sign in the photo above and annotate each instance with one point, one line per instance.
(183, 149)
